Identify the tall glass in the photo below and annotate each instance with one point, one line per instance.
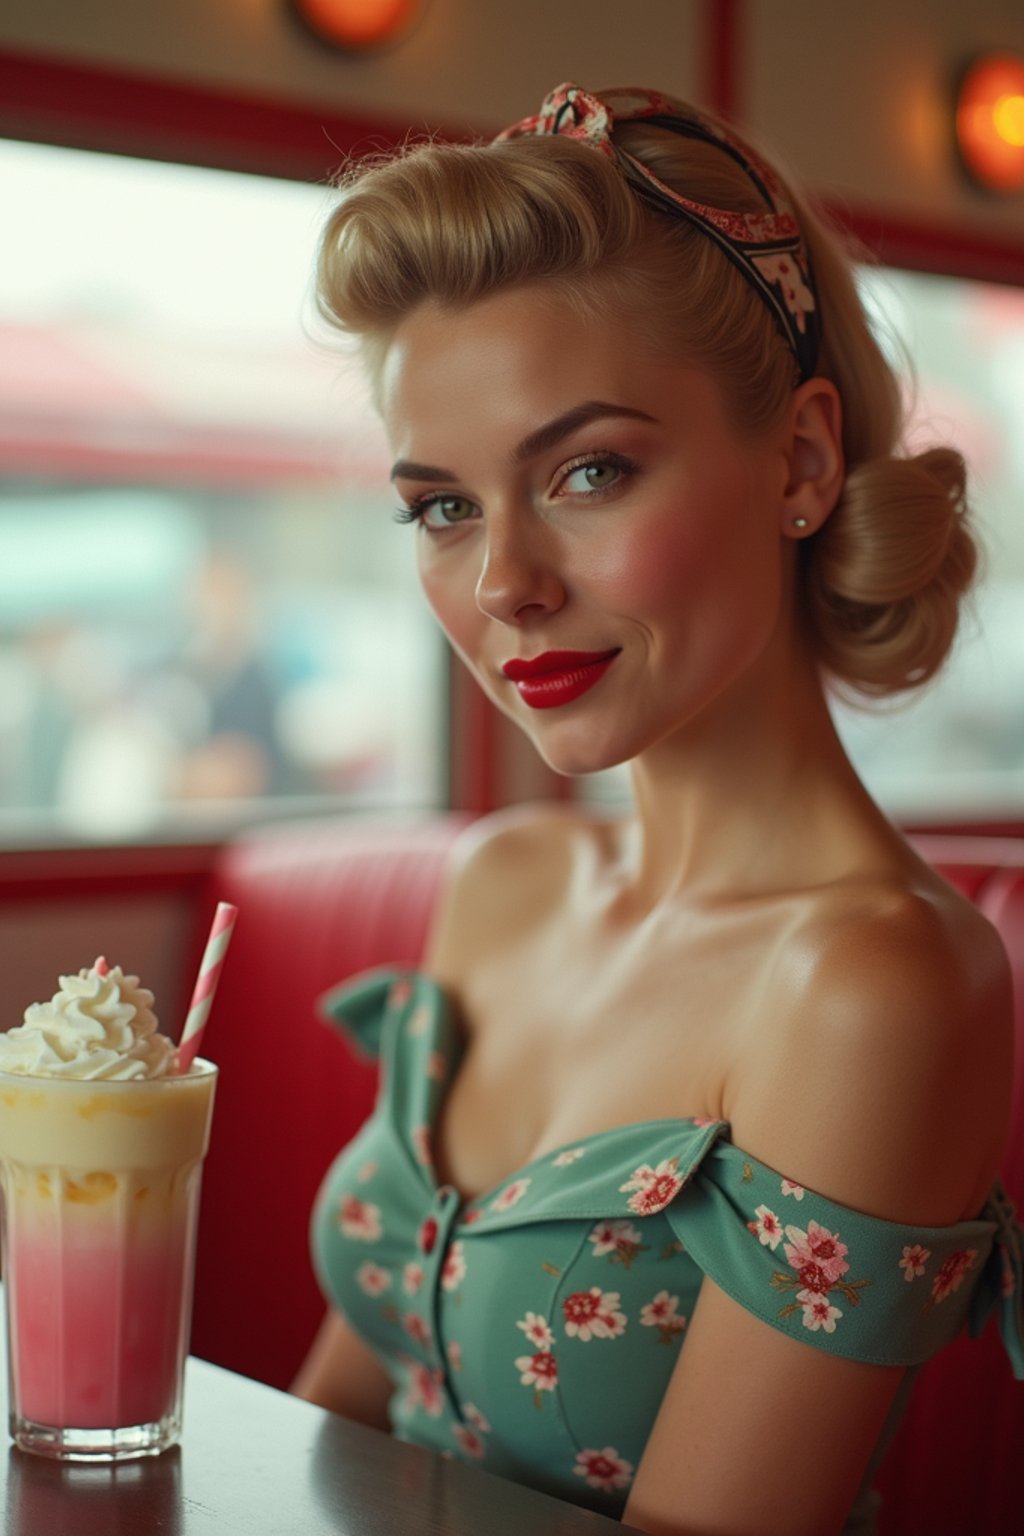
(99, 1195)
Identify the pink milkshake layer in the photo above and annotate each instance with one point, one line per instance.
(100, 1266)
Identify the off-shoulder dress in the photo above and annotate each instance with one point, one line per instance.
(532, 1331)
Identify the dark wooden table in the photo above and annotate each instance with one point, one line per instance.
(259, 1462)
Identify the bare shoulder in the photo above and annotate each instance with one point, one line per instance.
(506, 873)
(891, 1038)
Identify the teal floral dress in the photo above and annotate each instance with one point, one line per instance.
(532, 1331)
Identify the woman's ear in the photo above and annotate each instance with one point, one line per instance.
(814, 449)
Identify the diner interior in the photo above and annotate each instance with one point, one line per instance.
(219, 680)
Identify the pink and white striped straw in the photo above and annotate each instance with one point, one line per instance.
(206, 984)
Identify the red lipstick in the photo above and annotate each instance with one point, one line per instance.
(557, 677)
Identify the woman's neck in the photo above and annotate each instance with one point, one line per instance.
(757, 797)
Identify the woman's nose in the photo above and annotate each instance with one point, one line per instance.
(520, 575)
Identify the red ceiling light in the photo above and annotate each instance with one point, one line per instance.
(990, 122)
(358, 25)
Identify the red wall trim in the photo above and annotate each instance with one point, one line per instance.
(924, 247)
(723, 22)
(54, 874)
(56, 102)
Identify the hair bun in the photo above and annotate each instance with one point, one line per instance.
(886, 574)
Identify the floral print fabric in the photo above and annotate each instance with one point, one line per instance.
(532, 1331)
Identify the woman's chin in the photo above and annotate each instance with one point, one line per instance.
(578, 760)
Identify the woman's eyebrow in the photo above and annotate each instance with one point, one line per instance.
(406, 469)
(548, 436)
(570, 421)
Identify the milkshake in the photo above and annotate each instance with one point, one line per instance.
(101, 1144)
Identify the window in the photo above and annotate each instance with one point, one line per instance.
(205, 604)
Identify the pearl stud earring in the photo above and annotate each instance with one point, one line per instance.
(799, 522)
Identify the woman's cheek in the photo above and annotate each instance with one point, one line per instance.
(639, 574)
(451, 596)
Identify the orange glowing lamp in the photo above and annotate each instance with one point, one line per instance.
(990, 122)
(358, 25)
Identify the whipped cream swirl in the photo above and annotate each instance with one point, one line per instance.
(100, 1024)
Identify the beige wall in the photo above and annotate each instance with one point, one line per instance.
(856, 98)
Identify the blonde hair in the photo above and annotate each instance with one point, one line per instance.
(881, 581)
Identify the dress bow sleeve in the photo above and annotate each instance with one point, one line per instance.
(1000, 1287)
(360, 1007)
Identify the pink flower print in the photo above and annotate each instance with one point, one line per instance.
(796, 1190)
(471, 1412)
(816, 1255)
(539, 1371)
(420, 1138)
(427, 1235)
(951, 1273)
(663, 1313)
(510, 1195)
(416, 1328)
(366, 1172)
(604, 1469)
(469, 1217)
(412, 1278)
(359, 1219)
(469, 1441)
(453, 1270)
(436, 1066)
(615, 1237)
(424, 1390)
(612, 1321)
(593, 1314)
(419, 1019)
(372, 1279)
(767, 1228)
(564, 1159)
(537, 1331)
(400, 993)
(784, 271)
(913, 1261)
(702, 1120)
(655, 1187)
(455, 1355)
(818, 1313)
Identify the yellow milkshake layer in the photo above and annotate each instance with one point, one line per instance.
(98, 1128)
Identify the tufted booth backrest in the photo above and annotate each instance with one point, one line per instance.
(320, 901)
(954, 1466)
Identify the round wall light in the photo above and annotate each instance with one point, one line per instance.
(357, 25)
(990, 122)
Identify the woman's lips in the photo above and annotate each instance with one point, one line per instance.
(557, 677)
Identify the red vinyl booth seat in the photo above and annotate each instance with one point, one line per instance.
(321, 901)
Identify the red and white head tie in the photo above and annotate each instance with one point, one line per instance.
(767, 248)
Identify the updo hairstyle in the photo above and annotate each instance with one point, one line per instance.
(881, 581)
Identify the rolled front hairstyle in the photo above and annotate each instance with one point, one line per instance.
(881, 581)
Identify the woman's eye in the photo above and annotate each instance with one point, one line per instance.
(597, 475)
(437, 512)
(443, 511)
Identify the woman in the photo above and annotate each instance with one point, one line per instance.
(676, 1096)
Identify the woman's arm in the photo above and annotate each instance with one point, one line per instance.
(343, 1374)
(758, 1434)
(885, 1089)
